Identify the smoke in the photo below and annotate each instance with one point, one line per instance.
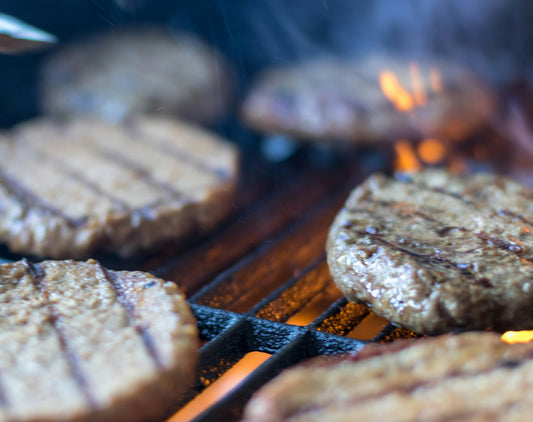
(492, 36)
(489, 35)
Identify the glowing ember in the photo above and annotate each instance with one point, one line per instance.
(312, 310)
(220, 387)
(395, 92)
(417, 84)
(432, 151)
(302, 318)
(406, 160)
(369, 328)
(517, 336)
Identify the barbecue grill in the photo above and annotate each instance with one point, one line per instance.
(260, 282)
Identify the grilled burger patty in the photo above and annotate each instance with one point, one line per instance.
(332, 100)
(468, 377)
(82, 343)
(436, 252)
(137, 70)
(68, 190)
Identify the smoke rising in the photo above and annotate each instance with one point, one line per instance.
(490, 35)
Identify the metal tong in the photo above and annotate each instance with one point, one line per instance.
(19, 37)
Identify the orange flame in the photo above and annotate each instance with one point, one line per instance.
(404, 100)
(406, 159)
(395, 92)
(430, 151)
(220, 387)
(517, 336)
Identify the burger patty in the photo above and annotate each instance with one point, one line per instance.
(467, 377)
(436, 252)
(79, 342)
(72, 189)
(137, 70)
(333, 100)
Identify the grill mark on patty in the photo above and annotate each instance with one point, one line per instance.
(80, 177)
(371, 229)
(505, 213)
(509, 213)
(488, 239)
(68, 171)
(143, 174)
(440, 190)
(494, 241)
(424, 216)
(367, 205)
(447, 229)
(144, 211)
(131, 311)
(432, 259)
(29, 200)
(404, 208)
(38, 279)
(407, 389)
(141, 136)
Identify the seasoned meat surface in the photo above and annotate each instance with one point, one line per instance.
(435, 252)
(72, 189)
(467, 377)
(328, 99)
(137, 70)
(79, 342)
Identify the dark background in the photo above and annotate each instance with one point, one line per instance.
(493, 36)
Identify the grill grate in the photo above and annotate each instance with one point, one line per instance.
(260, 283)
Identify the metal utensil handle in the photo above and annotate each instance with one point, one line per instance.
(17, 36)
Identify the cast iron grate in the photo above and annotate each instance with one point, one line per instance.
(261, 283)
